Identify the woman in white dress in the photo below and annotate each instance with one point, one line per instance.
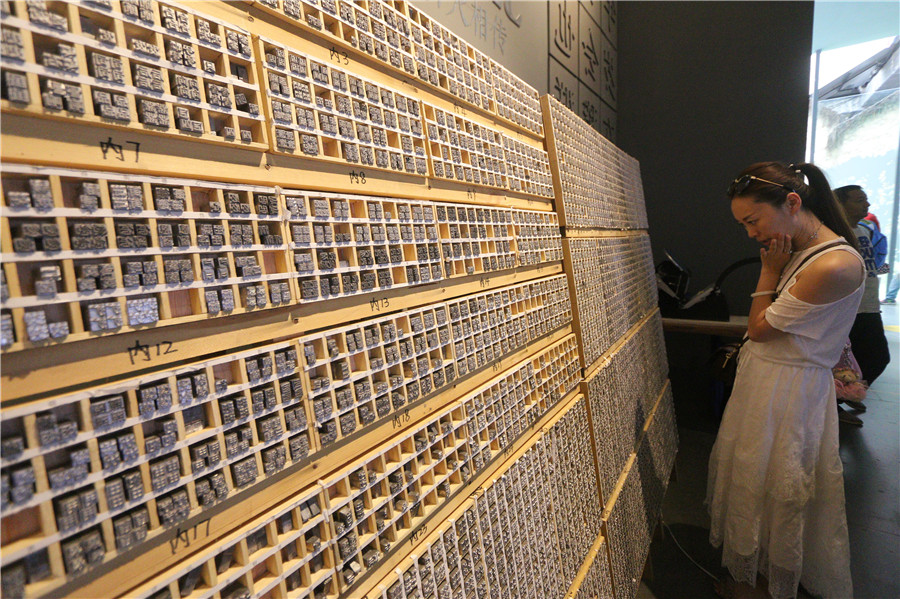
(776, 490)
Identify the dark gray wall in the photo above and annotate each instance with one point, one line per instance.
(705, 89)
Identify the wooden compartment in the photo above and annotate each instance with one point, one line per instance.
(83, 74)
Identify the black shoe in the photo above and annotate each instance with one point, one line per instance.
(848, 418)
(854, 405)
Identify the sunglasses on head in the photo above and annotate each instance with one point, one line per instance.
(739, 185)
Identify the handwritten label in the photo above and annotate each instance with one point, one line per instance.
(461, 110)
(183, 535)
(496, 366)
(339, 56)
(358, 177)
(145, 350)
(418, 534)
(399, 420)
(470, 193)
(379, 304)
(118, 150)
(484, 282)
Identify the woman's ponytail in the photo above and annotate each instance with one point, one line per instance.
(822, 202)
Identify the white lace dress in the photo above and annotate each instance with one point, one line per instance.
(776, 490)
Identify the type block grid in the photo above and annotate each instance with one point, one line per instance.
(615, 286)
(178, 442)
(173, 443)
(529, 168)
(139, 66)
(415, 45)
(464, 150)
(621, 396)
(516, 100)
(97, 472)
(441, 54)
(576, 497)
(478, 239)
(360, 372)
(592, 168)
(538, 238)
(345, 245)
(374, 505)
(597, 582)
(147, 251)
(325, 112)
(101, 253)
(633, 517)
(506, 540)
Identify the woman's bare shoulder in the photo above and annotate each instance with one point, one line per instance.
(829, 278)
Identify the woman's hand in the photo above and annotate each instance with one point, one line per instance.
(777, 254)
(774, 258)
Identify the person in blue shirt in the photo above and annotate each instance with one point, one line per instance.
(867, 338)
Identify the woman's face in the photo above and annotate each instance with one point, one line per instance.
(762, 220)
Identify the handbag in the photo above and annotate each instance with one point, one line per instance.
(848, 380)
(724, 360)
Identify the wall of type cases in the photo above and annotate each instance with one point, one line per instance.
(314, 299)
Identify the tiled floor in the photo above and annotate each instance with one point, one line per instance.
(871, 457)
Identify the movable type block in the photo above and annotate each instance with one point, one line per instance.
(299, 446)
(205, 494)
(122, 530)
(60, 478)
(90, 551)
(22, 478)
(257, 401)
(128, 448)
(134, 485)
(73, 557)
(11, 446)
(309, 144)
(115, 493)
(68, 430)
(45, 288)
(241, 409)
(164, 401)
(15, 87)
(36, 326)
(12, 46)
(226, 409)
(109, 454)
(20, 494)
(18, 199)
(24, 245)
(152, 444)
(227, 133)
